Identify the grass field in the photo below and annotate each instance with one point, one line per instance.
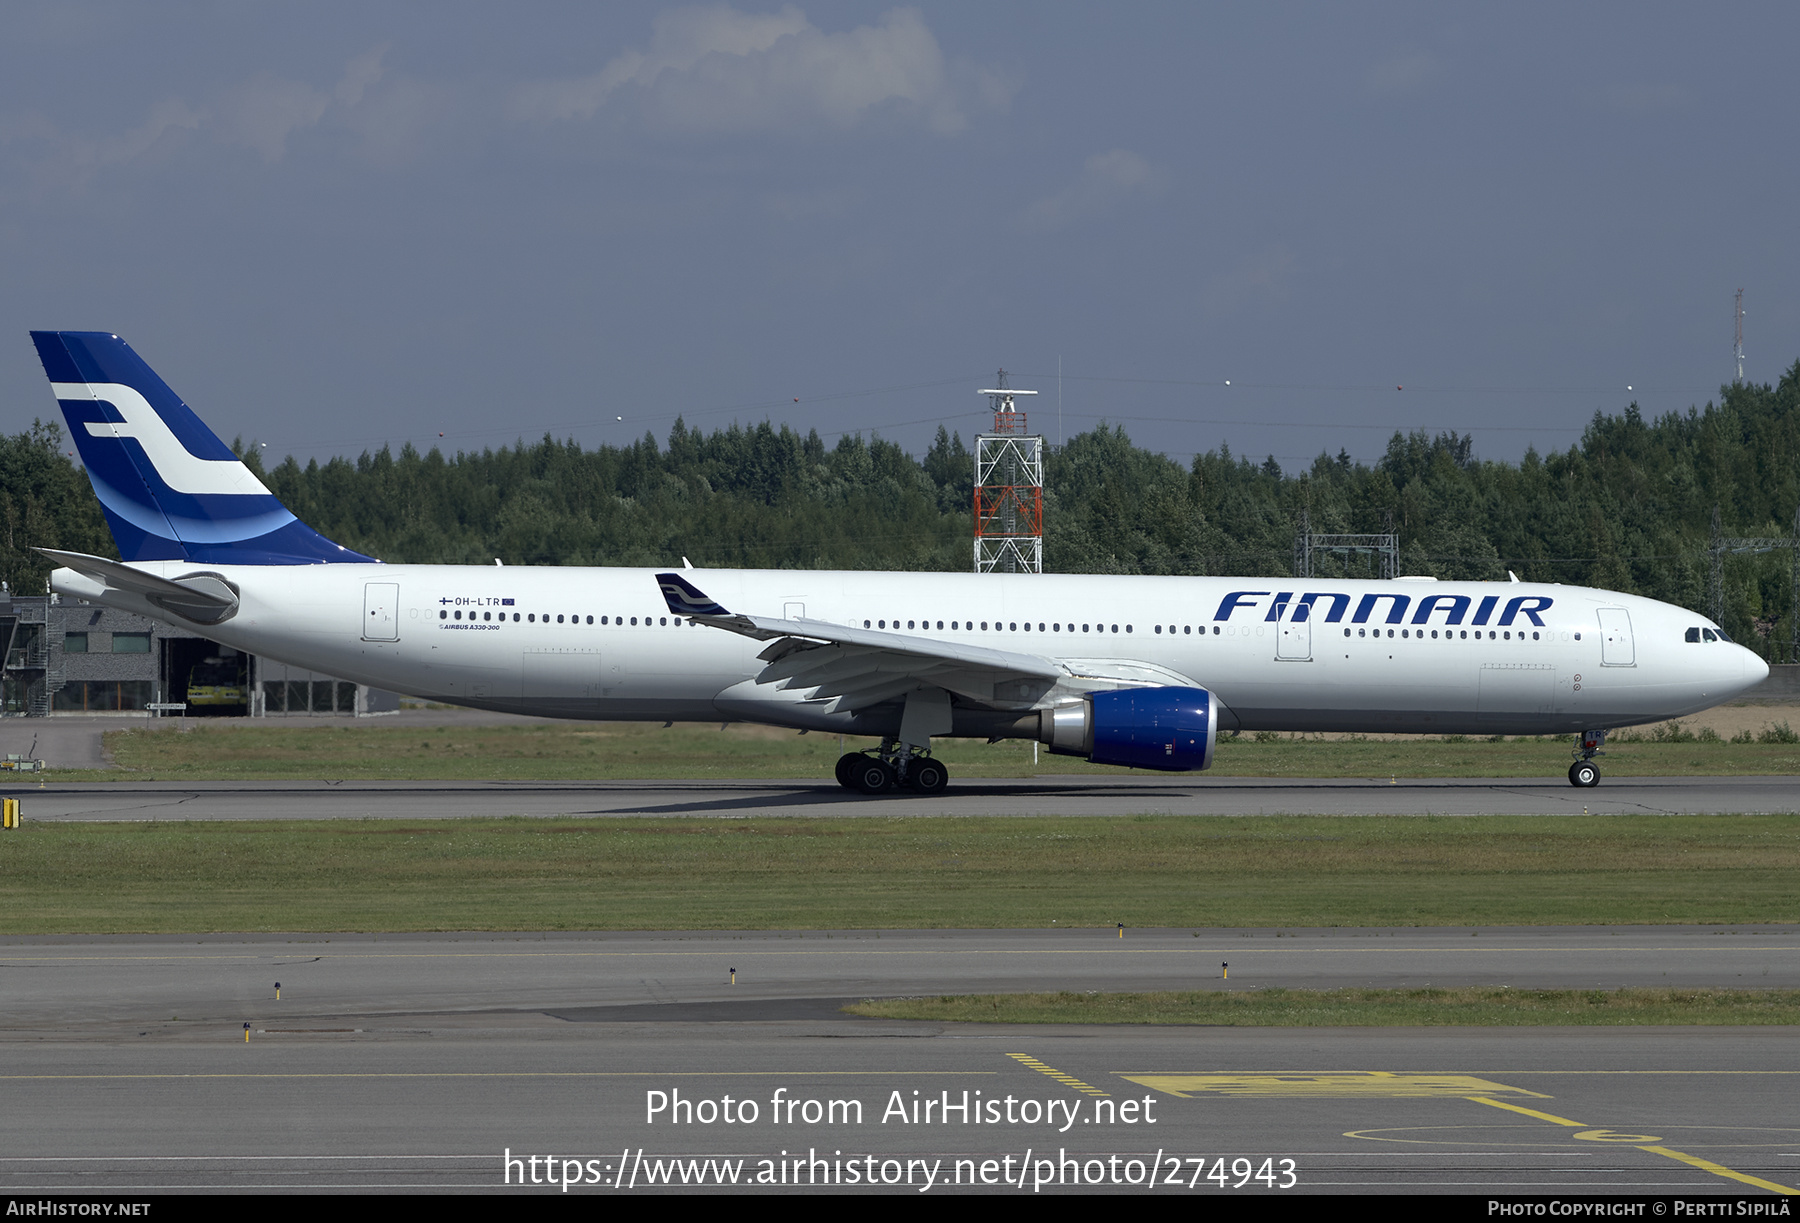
(898, 872)
(242, 750)
(1484, 1006)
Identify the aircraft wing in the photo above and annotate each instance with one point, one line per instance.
(862, 667)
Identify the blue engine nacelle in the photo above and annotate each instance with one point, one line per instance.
(1173, 729)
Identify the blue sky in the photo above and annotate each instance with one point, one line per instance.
(331, 226)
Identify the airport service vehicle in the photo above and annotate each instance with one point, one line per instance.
(1143, 672)
(217, 681)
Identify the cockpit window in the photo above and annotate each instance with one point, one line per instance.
(1707, 634)
(1722, 636)
(1693, 634)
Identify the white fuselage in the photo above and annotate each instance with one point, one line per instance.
(1278, 653)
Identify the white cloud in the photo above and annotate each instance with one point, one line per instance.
(1107, 179)
(714, 69)
(1254, 282)
(1403, 73)
(263, 112)
(260, 114)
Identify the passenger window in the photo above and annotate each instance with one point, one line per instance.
(444, 615)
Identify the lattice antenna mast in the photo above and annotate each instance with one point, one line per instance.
(1009, 488)
(1737, 348)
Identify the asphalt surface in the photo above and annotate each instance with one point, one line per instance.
(423, 1063)
(1037, 796)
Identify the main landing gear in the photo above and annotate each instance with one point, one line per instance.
(1584, 772)
(890, 767)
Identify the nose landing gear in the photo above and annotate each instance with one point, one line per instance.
(889, 767)
(1584, 772)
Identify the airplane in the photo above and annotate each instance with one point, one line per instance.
(1141, 672)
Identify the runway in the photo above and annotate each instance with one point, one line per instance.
(1084, 795)
(418, 1063)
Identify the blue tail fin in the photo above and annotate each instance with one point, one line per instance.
(172, 491)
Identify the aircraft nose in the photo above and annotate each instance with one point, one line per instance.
(1755, 669)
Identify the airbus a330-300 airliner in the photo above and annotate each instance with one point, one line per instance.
(1142, 672)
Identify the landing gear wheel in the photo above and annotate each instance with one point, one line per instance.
(927, 776)
(872, 776)
(846, 769)
(1584, 773)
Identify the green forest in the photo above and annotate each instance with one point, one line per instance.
(1629, 507)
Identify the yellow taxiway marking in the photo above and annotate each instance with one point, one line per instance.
(1552, 1118)
(502, 1074)
(1067, 1080)
(1373, 1084)
(1707, 1165)
(1643, 1142)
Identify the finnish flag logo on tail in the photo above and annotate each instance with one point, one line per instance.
(170, 488)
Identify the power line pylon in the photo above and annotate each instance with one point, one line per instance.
(1009, 489)
(1720, 545)
(1737, 347)
(1380, 549)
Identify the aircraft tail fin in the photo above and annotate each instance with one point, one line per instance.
(170, 488)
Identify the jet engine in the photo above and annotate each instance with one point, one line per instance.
(1173, 729)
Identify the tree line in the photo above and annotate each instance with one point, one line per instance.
(1628, 507)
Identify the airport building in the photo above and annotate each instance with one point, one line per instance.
(63, 656)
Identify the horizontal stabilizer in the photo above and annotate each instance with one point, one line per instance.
(203, 598)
